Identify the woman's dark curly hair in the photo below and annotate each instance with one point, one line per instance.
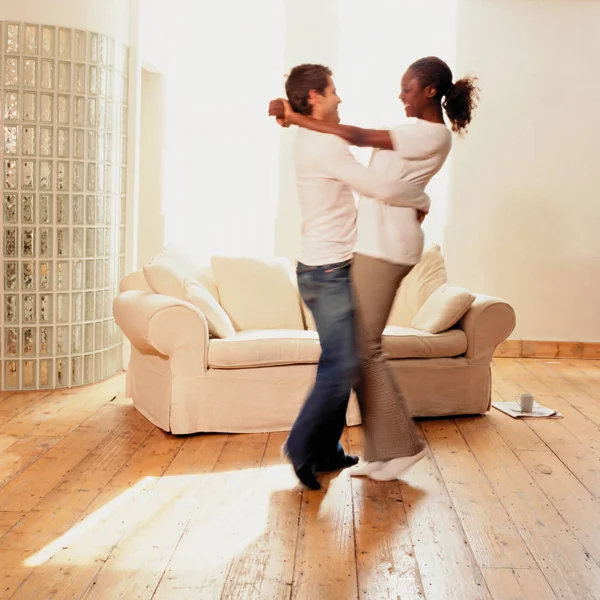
(460, 98)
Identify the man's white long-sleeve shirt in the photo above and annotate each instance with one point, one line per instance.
(326, 172)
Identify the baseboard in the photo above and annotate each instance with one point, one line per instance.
(537, 349)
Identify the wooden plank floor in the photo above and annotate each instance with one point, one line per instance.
(95, 502)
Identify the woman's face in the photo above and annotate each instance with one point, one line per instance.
(413, 95)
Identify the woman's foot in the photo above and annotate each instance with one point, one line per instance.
(364, 468)
(395, 468)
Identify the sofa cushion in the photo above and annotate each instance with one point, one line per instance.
(264, 348)
(258, 293)
(219, 323)
(269, 348)
(166, 273)
(443, 308)
(134, 281)
(404, 342)
(428, 275)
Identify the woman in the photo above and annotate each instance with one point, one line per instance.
(390, 243)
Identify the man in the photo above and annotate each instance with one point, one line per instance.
(325, 173)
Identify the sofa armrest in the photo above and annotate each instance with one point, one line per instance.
(486, 324)
(154, 322)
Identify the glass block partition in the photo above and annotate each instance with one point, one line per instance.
(63, 113)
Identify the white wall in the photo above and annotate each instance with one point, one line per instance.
(525, 209)
(109, 17)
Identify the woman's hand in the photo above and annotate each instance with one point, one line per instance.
(282, 111)
(421, 214)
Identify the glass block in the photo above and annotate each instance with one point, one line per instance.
(29, 335)
(45, 242)
(46, 108)
(99, 273)
(10, 276)
(29, 308)
(11, 72)
(48, 43)
(109, 120)
(122, 240)
(77, 275)
(62, 209)
(62, 242)
(63, 143)
(77, 308)
(11, 309)
(97, 336)
(28, 140)
(11, 240)
(61, 372)
(62, 308)
(10, 174)
(30, 73)
(45, 275)
(99, 242)
(77, 210)
(110, 52)
(10, 139)
(91, 145)
(99, 308)
(103, 210)
(108, 298)
(45, 341)
(89, 306)
(102, 81)
(45, 209)
(79, 111)
(64, 43)
(11, 374)
(29, 106)
(92, 47)
(11, 106)
(11, 341)
(79, 45)
(88, 344)
(62, 110)
(124, 122)
(90, 210)
(121, 270)
(45, 367)
(78, 242)
(90, 271)
(79, 78)
(76, 370)
(27, 208)
(62, 340)
(47, 74)
(101, 111)
(28, 274)
(76, 339)
(62, 275)
(91, 112)
(124, 150)
(92, 80)
(28, 374)
(10, 208)
(46, 139)
(28, 246)
(78, 176)
(90, 242)
(100, 151)
(88, 368)
(109, 270)
(31, 39)
(28, 174)
(78, 143)
(101, 179)
(62, 175)
(90, 177)
(45, 174)
(12, 41)
(122, 184)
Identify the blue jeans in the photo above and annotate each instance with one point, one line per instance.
(316, 433)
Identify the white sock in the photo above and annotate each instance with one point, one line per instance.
(395, 468)
(364, 468)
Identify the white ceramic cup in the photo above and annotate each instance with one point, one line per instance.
(525, 402)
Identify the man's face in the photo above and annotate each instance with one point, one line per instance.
(325, 106)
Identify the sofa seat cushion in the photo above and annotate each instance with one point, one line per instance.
(264, 348)
(404, 342)
(277, 347)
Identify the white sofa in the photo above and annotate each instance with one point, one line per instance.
(256, 378)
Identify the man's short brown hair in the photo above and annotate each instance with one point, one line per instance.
(301, 80)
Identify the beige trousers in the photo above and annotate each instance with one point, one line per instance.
(390, 431)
